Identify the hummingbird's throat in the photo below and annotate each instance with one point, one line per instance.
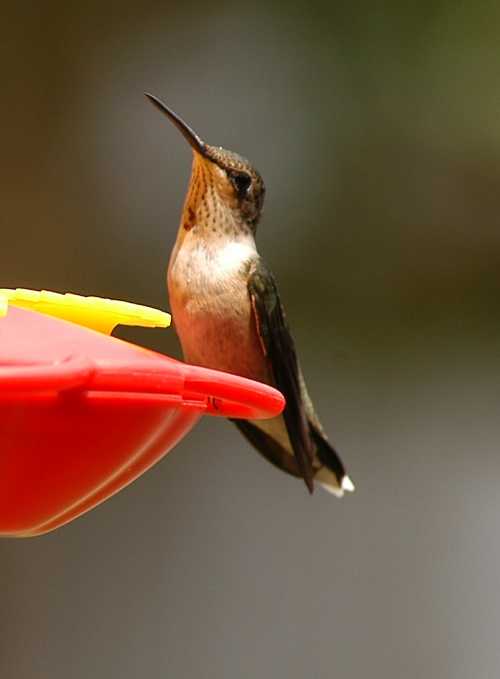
(210, 203)
(198, 186)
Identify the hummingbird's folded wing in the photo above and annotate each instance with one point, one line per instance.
(268, 447)
(279, 350)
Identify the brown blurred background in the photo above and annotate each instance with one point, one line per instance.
(376, 127)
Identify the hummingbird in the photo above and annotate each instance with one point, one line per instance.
(227, 310)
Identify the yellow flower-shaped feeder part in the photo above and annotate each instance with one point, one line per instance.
(96, 313)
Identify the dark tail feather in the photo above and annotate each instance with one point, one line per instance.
(327, 455)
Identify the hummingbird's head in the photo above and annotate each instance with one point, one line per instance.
(226, 191)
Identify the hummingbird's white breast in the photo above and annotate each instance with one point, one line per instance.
(210, 303)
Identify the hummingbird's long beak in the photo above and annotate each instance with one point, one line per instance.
(189, 135)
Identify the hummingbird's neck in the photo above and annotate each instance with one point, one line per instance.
(211, 211)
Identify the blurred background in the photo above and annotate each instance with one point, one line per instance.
(376, 127)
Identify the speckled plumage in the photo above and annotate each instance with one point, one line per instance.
(207, 281)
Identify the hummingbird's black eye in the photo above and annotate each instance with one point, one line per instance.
(242, 182)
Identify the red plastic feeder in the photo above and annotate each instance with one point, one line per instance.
(83, 414)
